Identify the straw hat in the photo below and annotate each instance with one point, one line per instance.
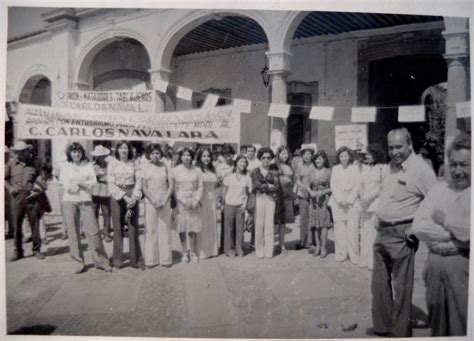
(100, 150)
(309, 146)
(20, 145)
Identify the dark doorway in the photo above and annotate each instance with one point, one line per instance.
(401, 81)
(299, 124)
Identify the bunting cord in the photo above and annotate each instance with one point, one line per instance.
(446, 105)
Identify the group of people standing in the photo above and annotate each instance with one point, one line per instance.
(378, 210)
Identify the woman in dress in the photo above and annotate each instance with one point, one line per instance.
(125, 188)
(285, 211)
(206, 241)
(78, 178)
(236, 191)
(266, 186)
(344, 202)
(157, 188)
(319, 213)
(100, 192)
(303, 175)
(188, 188)
(371, 185)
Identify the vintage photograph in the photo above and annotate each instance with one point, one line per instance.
(236, 172)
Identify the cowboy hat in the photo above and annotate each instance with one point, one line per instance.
(20, 145)
(100, 150)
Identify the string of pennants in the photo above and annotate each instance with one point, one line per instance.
(408, 113)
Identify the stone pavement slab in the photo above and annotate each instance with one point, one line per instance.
(82, 296)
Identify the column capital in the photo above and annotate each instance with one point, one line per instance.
(456, 36)
(456, 60)
(279, 60)
(162, 74)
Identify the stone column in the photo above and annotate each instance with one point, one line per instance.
(279, 69)
(62, 24)
(457, 54)
(164, 75)
(457, 58)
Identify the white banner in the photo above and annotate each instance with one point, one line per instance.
(279, 110)
(214, 125)
(352, 136)
(321, 113)
(363, 114)
(242, 106)
(120, 100)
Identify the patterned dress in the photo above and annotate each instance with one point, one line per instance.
(319, 212)
(188, 188)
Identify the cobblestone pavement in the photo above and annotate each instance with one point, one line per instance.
(290, 296)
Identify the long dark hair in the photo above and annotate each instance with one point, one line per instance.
(181, 153)
(130, 150)
(349, 152)
(279, 150)
(199, 156)
(323, 155)
(151, 148)
(240, 157)
(76, 146)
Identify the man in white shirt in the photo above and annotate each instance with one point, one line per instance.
(405, 184)
(443, 222)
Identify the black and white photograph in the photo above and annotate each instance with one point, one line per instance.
(229, 169)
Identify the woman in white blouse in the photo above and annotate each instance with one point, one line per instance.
(125, 188)
(344, 202)
(78, 178)
(371, 185)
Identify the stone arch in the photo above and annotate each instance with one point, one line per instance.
(189, 21)
(284, 36)
(94, 46)
(29, 81)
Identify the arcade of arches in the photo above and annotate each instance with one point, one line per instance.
(313, 58)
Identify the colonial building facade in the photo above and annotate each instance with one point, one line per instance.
(342, 60)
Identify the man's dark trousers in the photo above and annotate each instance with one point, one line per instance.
(394, 263)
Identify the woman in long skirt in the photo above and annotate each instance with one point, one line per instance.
(157, 188)
(206, 241)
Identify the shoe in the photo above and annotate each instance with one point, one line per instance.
(117, 264)
(64, 236)
(283, 250)
(298, 247)
(107, 239)
(16, 257)
(324, 252)
(140, 266)
(39, 255)
(28, 240)
(79, 269)
(231, 254)
(106, 268)
(45, 241)
(312, 250)
(317, 251)
(194, 258)
(185, 257)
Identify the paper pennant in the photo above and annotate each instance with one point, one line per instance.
(411, 113)
(463, 109)
(184, 93)
(211, 101)
(241, 106)
(363, 114)
(321, 113)
(279, 110)
(160, 85)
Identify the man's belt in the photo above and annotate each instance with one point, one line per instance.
(395, 223)
(450, 251)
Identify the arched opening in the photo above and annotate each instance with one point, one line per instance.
(119, 65)
(401, 81)
(223, 56)
(37, 91)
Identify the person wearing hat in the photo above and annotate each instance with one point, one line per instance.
(21, 177)
(100, 192)
(304, 174)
